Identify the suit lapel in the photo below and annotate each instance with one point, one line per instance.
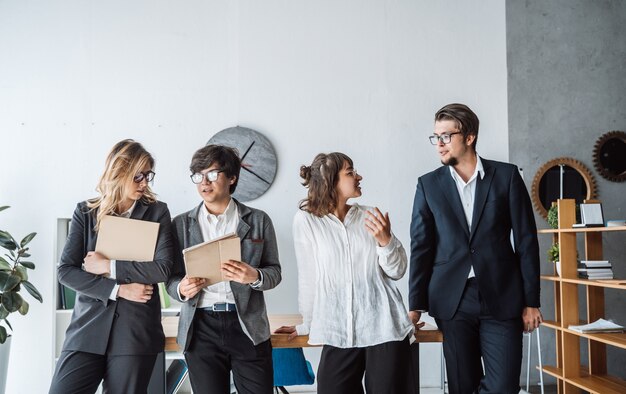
(451, 194)
(195, 234)
(480, 197)
(243, 227)
(139, 211)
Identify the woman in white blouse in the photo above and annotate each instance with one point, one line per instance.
(348, 261)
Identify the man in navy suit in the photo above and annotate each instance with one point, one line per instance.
(481, 290)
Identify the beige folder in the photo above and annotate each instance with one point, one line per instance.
(204, 260)
(127, 239)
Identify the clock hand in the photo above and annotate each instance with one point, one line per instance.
(254, 173)
(247, 150)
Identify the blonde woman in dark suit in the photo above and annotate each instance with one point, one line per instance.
(115, 333)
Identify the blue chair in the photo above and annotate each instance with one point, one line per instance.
(291, 369)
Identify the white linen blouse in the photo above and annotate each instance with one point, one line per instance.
(347, 295)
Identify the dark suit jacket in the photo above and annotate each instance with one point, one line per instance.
(258, 248)
(443, 249)
(100, 325)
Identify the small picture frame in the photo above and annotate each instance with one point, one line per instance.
(591, 215)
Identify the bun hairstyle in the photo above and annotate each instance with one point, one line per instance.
(321, 178)
(124, 161)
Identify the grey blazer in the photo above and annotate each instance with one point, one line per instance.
(100, 325)
(258, 248)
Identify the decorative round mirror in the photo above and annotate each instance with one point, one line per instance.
(609, 156)
(562, 177)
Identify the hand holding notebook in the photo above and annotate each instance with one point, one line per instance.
(204, 260)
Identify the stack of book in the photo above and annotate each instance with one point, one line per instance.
(595, 269)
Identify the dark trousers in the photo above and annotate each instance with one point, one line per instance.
(387, 369)
(81, 373)
(473, 333)
(219, 345)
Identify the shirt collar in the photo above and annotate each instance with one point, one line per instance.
(129, 212)
(478, 171)
(229, 212)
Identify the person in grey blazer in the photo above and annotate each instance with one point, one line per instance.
(115, 333)
(224, 326)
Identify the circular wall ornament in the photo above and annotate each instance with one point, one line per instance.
(609, 156)
(258, 160)
(578, 183)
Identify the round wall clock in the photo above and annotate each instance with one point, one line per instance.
(258, 160)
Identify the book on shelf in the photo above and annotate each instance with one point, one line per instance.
(175, 376)
(595, 270)
(594, 264)
(67, 297)
(597, 326)
(596, 276)
(163, 296)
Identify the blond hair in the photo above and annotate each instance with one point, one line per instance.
(125, 160)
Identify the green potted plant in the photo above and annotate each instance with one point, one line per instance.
(13, 278)
(553, 256)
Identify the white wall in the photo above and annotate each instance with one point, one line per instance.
(362, 77)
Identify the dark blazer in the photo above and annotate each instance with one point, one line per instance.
(100, 325)
(258, 248)
(443, 249)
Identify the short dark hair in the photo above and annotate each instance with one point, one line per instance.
(226, 157)
(465, 118)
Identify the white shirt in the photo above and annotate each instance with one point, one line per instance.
(213, 226)
(347, 295)
(467, 191)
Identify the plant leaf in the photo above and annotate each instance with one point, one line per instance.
(25, 255)
(3, 312)
(6, 241)
(4, 207)
(28, 264)
(12, 301)
(27, 239)
(32, 290)
(3, 334)
(8, 324)
(8, 283)
(4, 265)
(21, 272)
(24, 307)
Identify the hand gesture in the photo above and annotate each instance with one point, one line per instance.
(239, 272)
(532, 318)
(95, 263)
(291, 330)
(379, 226)
(189, 287)
(135, 292)
(415, 317)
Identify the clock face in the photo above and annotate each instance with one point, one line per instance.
(258, 160)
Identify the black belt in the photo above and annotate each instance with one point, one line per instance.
(221, 307)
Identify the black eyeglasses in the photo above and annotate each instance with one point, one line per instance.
(148, 176)
(210, 176)
(445, 138)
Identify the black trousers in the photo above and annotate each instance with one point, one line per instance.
(387, 369)
(81, 373)
(219, 345)
(473, 333)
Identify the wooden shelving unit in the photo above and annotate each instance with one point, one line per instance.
(572, 375)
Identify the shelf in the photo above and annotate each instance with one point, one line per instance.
(581, 230)
(586, 282)
(613, 339)
(596, 384)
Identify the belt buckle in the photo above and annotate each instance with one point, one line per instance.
(221, 307)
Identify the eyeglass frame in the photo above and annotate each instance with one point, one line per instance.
(206, 176)
(148, 176)
(434, 139)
